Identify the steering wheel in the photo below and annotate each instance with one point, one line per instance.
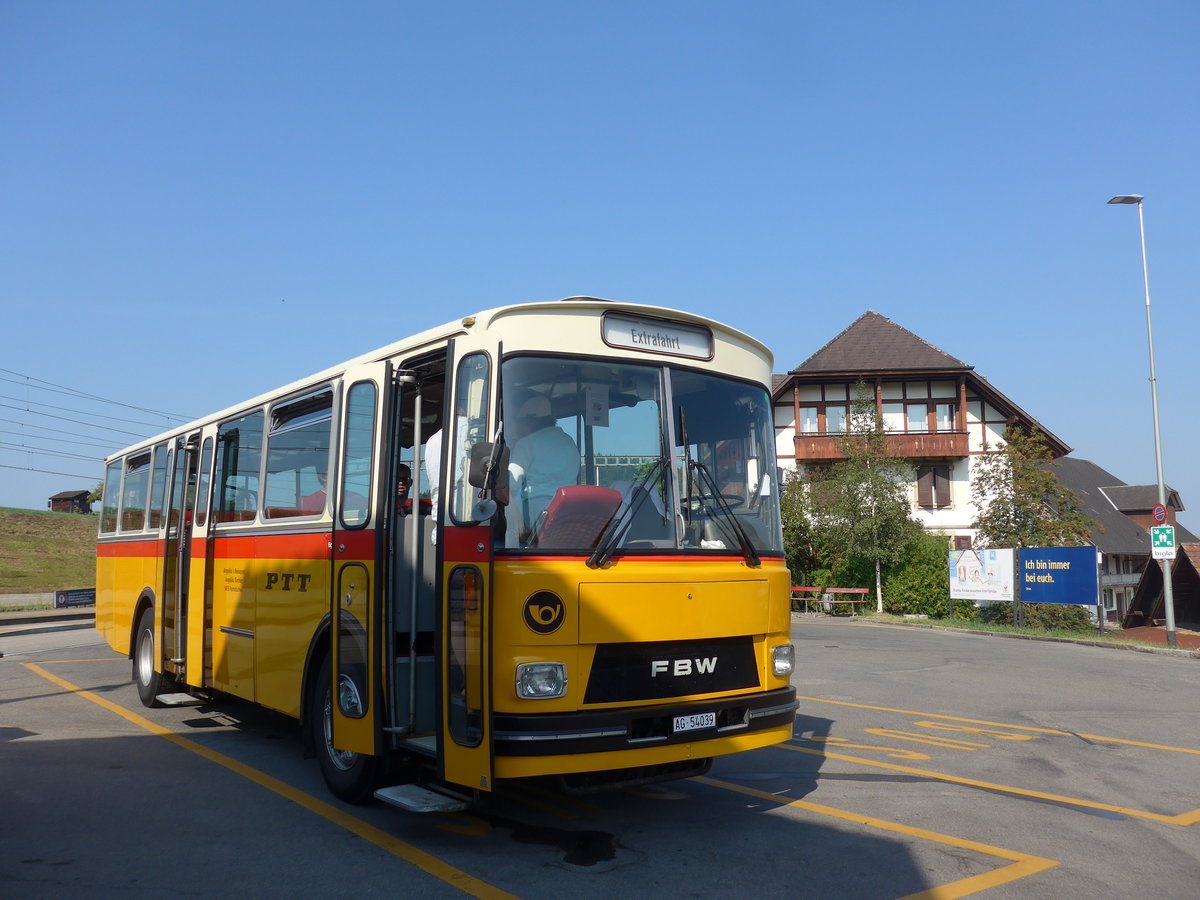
(733, 500)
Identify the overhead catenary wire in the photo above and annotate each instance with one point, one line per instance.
(135, 434)
(47, 471)
(45, 451)
(60, 388)
(82, 412)
(49, 436)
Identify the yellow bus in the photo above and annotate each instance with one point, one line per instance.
(543, 540)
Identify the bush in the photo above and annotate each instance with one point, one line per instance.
(1046, 616)
(921, 584)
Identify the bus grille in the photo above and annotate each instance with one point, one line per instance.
(663, 669)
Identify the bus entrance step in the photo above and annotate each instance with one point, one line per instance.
(179, 699)
(415, 798)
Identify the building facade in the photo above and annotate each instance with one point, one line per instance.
(70, 502)
(938, 413)
(1122, 514)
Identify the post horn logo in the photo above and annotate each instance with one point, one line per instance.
(544, 612)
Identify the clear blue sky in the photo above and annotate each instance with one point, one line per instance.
(203, 201)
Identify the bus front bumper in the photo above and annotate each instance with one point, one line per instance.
(694, 722)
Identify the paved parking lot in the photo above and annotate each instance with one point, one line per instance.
(924, 764)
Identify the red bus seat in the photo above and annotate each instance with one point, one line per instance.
(577, 516)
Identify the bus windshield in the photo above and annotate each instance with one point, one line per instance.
(607, 457)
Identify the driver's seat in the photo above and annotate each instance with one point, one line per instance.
(576, 517)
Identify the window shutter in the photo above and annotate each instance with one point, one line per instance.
(941, 486)
(925, 487)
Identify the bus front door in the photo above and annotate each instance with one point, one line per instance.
(177, 554)
(360, 515)
(465, 739)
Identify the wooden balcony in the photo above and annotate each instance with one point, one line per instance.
(938, 445)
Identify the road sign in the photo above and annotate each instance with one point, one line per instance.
(1159, 513)
(1162, 542)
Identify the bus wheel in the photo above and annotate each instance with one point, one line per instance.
(149, 683)
(351, 776)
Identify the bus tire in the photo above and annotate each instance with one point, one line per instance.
(149, 682)
(350, 776)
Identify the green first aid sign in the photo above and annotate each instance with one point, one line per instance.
(1162, 542)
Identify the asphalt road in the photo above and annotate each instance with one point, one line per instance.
(924, 763)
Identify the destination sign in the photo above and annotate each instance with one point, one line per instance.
(657, 336)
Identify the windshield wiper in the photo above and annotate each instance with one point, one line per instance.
(743, 539)
(687, 468)
(619, 524)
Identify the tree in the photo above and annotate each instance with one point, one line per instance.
(97, 493)
(858, 507)
(1019, 499)
(798, 544)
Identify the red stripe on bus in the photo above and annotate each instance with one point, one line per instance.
(309, 545)
(130, 549)
(466, 544)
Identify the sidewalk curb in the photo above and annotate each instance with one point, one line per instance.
(23, 616)
(1106, 645)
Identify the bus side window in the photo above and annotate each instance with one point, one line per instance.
(239, 453)
(158, 486)
(135, 493)
(358, 452)
(470, 427)
(112, 497)
(298, 456)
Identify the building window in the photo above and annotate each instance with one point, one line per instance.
(835, 419)
(808, 420)
(933, 487)
(945, 417)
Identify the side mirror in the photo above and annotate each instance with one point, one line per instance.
(489, 469)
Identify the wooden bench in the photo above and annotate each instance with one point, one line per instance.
(801, 595)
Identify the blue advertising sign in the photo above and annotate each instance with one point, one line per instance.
(80, 597)
(1058, 574)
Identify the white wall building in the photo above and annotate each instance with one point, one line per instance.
(937, 411)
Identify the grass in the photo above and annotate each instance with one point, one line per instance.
(1112, 634)
(45, 551)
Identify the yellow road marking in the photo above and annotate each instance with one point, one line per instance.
(894, 752)
(428, 863)
(1074, 734)
(56, 662)
(1022, 864)
(949, 743)
(972, 729)
(1188, 818)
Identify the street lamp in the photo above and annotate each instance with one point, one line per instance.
(1168, 588)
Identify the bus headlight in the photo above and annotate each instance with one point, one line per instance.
(541, 680)
(783, 660)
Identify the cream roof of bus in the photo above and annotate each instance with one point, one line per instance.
(434, 336)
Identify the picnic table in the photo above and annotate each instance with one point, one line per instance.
(828, 597)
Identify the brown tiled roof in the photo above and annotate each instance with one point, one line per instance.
(874, 343)
(1116, 532)
(1131, 498)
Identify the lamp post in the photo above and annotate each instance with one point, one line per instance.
(1168, 588)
